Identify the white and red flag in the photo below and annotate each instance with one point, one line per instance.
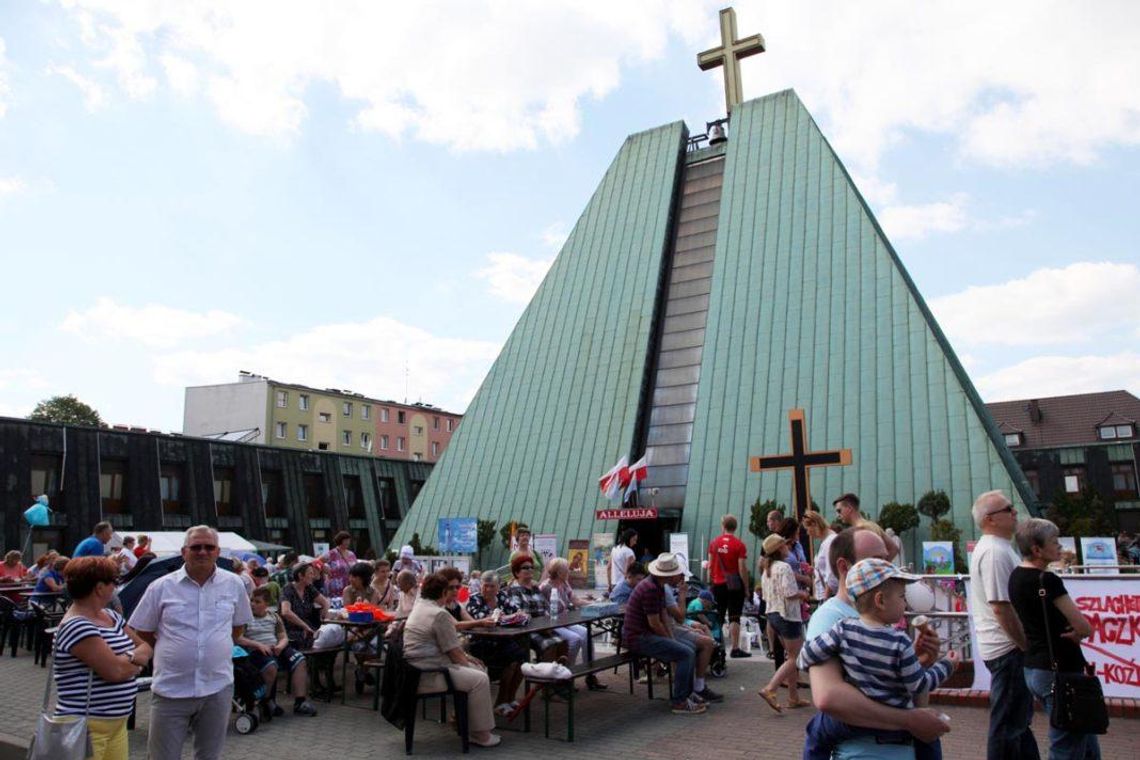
(638, 471)
(612, 482)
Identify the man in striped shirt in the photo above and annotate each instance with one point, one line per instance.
(878, 658)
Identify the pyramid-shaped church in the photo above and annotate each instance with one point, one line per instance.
(702, 295)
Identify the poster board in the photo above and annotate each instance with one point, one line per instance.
(1098, 551)
(601, 545)
(679, 547)
(578, 555)
(546, 546)
(1112, 607)
(458, 535)
(937, 558)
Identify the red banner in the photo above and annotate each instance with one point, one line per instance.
(626, 514)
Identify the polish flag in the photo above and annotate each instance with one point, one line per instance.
(638, 472)
(612, 482)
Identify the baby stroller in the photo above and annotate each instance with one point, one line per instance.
(249, 690)
(718, 665)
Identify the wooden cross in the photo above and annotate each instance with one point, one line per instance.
(728, 55)
(799, 461)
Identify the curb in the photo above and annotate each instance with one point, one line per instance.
(1117, 707)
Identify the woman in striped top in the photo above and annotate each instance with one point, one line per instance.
(93, 646)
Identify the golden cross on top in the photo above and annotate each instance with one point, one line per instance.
(729, 53)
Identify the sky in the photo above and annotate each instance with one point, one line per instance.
(365, 195)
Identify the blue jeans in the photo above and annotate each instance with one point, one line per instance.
(1063, 745)
(825, 733)
(1011, 710)
(683, 657)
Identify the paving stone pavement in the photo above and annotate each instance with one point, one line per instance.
(611, 724)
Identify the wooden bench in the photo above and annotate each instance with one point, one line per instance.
(580, 670)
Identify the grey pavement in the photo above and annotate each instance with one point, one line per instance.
(610, 724)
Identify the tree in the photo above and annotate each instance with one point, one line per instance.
(67, 410)
(758, 520)
(422, 550)
(1085, 514)
(934, 504)
(898, 517)
(485, 534)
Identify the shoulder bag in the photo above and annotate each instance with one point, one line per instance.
(61, 737)
(732, 580)
(1078, 700)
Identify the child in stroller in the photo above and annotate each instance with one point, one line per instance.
(702, 609)
(249, 690)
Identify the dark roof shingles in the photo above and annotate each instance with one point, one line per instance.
(1065, 420)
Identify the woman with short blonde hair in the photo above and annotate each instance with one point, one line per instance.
(824, 582)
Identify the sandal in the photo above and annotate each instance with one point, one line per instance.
(799, 703)
(770, 698)
(494, 741)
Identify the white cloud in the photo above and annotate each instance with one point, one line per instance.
(181, 74)
(903, 222)
(1043, 376)
(152, 325)
(480, 75)
(1049, 306)
(10, 186)
(995, 78)
(554, 236)
(366, 357)
(21, 379)
(513, 278)
(94, 96)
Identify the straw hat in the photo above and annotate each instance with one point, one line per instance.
(772, 544)
(665, 566)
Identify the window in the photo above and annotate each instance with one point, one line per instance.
(1012, 439)
(170, 488)
(223, 490)
(384, 442)
(323, 446)
(1074, 479)
(1034, 482)
(45, 475)
(418, 456)
(324, 417)
(401, 418)
(435, 448)
(314, 489)
(346, 437)
(435, 423)
(1112, 432)
(282, 399)
(112, 477)
(303, 402)
(354, 498)
(346, 407)
(383, 414)
(399, 443)
(281, 430)
(1124, 481)
(302, 432)
(366, 441)
(365, 412)
(418, 429)
(450, 425)
(271, 493)
(388, 506)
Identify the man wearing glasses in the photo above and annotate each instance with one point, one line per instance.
(999, 638)
(192, 617)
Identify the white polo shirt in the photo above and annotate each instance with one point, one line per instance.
(992, 563)
(193, 627)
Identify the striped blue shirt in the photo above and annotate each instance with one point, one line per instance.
(108, 700)
(879, 660)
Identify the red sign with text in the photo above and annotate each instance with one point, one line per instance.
(626, 514)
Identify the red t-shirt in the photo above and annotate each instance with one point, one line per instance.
(725, 553)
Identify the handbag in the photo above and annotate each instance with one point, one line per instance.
(1078, 700)
(731, 580)
(61, 737)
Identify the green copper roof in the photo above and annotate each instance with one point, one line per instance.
(810, 307)
(559, 405)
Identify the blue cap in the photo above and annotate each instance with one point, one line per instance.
(705, 594)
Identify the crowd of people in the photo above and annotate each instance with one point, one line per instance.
(869, 679)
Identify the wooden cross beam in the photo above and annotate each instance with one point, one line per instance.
(800, 461)
(728, 55)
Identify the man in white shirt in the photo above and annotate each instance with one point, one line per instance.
(999, 640)
(192, 617)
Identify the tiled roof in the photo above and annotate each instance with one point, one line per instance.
(1065, 420)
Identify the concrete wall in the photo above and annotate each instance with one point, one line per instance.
(213, 409)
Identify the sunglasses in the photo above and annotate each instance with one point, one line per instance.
(1006, 508)
(526, 567)
(202, 547)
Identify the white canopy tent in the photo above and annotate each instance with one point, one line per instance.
(166, 543)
